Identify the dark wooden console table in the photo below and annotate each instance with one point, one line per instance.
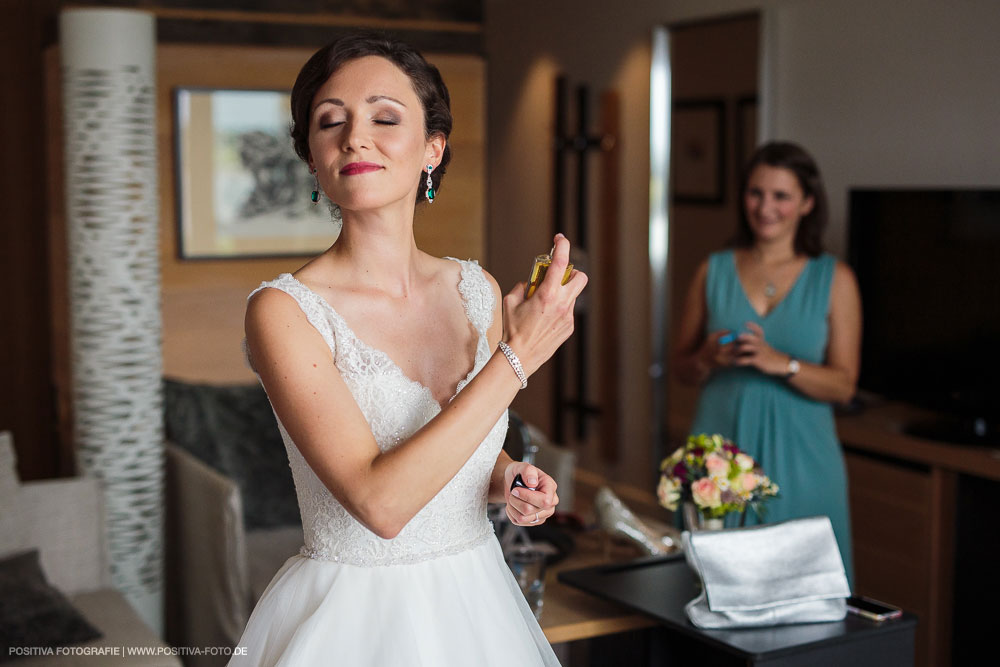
(660, 587)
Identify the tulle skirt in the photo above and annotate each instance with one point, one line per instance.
(461, 609)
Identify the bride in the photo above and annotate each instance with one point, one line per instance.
(390, 372)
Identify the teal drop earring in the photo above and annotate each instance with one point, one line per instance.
(315, 193)
(430, 194)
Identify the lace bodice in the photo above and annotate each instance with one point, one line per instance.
(395, 407)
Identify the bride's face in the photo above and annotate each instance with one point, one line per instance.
(367, 140)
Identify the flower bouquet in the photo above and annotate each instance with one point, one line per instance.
(712, 476)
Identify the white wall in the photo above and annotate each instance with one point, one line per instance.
(881, 91)
(890, 92)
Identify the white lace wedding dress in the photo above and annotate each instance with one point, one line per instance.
(437, 594)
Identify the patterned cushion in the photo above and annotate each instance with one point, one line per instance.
(233, 429)
(32, 613)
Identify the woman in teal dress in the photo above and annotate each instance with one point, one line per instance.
(771, 329)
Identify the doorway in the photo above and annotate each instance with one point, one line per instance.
(705, 81)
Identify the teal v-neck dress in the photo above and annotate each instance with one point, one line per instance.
(792, 436)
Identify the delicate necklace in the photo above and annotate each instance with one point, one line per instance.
(770, 289)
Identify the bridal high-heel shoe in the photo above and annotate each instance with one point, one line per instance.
(618, 520)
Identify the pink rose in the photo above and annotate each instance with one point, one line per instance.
(749, 481)
(717, 466)
(744, 461)
(706, 493)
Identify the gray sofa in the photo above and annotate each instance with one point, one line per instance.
(63, 520)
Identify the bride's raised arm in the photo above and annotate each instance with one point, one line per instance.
(385, 490)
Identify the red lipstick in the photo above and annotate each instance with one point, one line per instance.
(358, 168)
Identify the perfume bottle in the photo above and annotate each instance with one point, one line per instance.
(538, 270)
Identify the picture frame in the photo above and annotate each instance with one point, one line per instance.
(241, 191)
(698, 161)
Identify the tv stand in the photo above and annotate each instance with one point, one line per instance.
(974, 431)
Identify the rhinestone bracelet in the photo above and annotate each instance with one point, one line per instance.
(515, 363)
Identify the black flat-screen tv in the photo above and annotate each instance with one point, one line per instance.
(928, 266)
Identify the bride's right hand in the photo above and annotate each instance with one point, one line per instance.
(536, 327)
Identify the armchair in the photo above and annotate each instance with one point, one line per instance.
(63, 520)
(217, 568)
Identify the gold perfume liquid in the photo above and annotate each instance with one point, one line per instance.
(538, 270)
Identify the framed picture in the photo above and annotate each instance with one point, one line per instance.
(698, 137)
(241, 190)
(745, 136)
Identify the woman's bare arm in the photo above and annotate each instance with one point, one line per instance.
(837, 379)
(385, 490)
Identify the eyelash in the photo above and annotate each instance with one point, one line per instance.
(377, 121)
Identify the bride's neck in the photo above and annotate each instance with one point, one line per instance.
(379, 256)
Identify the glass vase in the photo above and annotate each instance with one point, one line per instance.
(694, 520)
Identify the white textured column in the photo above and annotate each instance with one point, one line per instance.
(109, 107)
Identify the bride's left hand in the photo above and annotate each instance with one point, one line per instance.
(524, 506)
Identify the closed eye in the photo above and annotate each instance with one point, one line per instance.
(324, 126)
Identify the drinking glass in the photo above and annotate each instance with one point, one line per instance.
(527, 563)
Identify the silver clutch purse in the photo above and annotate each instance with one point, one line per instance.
(772, 574)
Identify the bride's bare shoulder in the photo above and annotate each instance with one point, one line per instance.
(272, 308)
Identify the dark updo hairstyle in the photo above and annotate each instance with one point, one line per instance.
(426, 80)
(809, 237)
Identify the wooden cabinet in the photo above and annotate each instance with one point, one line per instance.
(903, 492)
(899, 542)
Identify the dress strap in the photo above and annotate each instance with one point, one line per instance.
(477, 295)
(822, 282)
(310, 303)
